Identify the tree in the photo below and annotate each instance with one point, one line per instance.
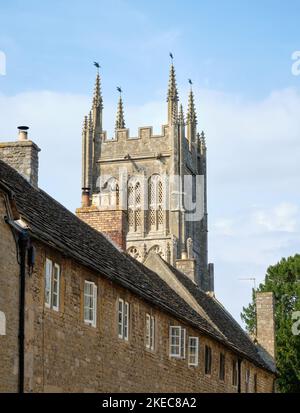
(283, 279)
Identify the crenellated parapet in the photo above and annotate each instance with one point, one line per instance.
(144, 133)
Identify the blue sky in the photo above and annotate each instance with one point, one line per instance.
(238, 54)
(237, 46)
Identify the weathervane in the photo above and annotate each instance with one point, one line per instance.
(119, 90)
(97, 66)
(171, 56)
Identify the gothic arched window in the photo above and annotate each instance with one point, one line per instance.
(156, 197)
(134, 206)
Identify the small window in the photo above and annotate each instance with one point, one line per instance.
(255, 383)
(182, 343)
(150, 331)
(48, 282)
(52, 283)
(2, 324)
(175, 336)
(177, 341)
(123, 319)
(55, 291)
(222, 367)
(207, 360)
(193, 351)
(234, 372)
(247, 380)
(90, 303)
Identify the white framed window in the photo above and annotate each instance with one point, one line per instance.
(193, 351)
(90, 303)
(48, 282)
(55, 287)
(52, 284)
(2, 324)
(123, 319)
(150, 331)
(183, 343)
(177, 341)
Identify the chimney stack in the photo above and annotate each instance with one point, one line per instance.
(265, 322)
(22, 155)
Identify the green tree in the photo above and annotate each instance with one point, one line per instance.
(284, 280)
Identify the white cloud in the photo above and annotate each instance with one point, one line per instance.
(253, 164)
(224, 226)
(283, 217)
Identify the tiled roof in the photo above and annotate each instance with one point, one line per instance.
(222, 319)
(53, 224)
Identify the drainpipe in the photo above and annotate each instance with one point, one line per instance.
(23, 245)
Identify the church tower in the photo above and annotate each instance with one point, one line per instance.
(149, 192)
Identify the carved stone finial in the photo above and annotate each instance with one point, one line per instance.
(85, 124)
(191, 114)
(172, 97)
(181, 116)
(120, 122)
(90, 121)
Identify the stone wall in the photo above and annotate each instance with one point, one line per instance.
(9, 304)
(65, 355)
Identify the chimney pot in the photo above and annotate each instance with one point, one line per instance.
(23, 133)
(85, 199)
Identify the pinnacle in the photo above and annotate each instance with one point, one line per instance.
(90, 121)
(85, 123)
(191, 114)
(172, 89)
(181, 116)
(202, 139)
(97, 99)
(120, 122)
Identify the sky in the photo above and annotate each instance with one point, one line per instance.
(239, 56)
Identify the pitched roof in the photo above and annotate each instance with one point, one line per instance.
(53, 224)
(222, 319)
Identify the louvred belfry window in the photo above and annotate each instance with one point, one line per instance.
(134, 206)
(156, 197)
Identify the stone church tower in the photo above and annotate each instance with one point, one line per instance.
(148, 192)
